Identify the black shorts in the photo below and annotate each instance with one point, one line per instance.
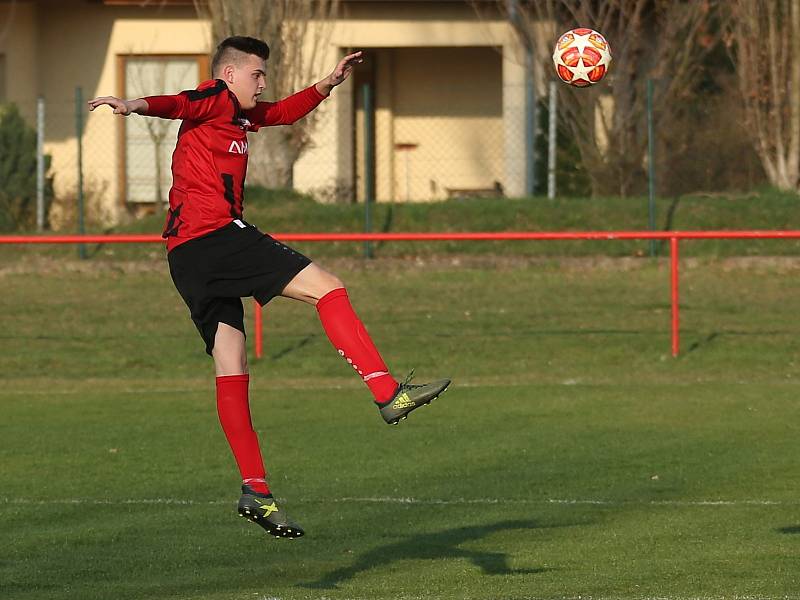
(213, 272)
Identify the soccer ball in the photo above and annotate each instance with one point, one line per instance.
(582, 57)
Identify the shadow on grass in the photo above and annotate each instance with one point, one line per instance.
(669, 224)
(708, 339)
(792, 529)
(388, 223)
(712, 337)
(433, 546)
(292, 348)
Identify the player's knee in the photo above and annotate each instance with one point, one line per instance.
(327, 284)
(334, 282)
(228, 356)
(229, 352)
(230, 365)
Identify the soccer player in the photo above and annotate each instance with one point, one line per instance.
(216, 258)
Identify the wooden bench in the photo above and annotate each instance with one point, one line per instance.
(496, 191)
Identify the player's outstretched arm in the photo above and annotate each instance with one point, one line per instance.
(340, 73)
(121, 107)
(178, 106)
(296, 106)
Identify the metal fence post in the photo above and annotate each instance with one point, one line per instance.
(651, 167)
(40, 164)
(369, 163)
(531, 117)
(551, 141)
(676, 330)
(79, 135)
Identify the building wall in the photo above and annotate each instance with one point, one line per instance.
(20, 48)
(448, 113)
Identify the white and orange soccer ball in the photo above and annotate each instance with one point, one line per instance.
(582, 57)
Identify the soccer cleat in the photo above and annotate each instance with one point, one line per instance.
(262, 510)
(409, 397)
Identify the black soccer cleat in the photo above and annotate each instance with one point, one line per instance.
(263, 510)
(409, 397)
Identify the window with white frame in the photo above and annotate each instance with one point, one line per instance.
(149, 142)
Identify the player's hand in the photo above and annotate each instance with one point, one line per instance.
(345, 67)
(121, 107)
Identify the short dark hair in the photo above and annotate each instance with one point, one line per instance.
(240, 43)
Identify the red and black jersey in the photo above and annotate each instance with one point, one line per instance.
(210, 160)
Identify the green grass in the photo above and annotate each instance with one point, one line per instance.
(282, 212)
(573, 456)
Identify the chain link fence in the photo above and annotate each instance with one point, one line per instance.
(454, 148)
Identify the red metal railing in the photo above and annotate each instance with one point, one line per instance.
(421, 237)
(674, 238)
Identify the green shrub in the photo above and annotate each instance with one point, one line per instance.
(18, 171)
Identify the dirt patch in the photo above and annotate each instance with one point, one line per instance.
(49, 265)
(759, 263)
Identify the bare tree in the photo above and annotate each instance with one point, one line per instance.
(298, 33)
(764, 40)
(662, 40)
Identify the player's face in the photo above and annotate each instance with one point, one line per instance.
(248, 80)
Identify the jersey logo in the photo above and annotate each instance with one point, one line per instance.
(237, 147)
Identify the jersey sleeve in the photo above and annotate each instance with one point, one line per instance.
(191, 105)
(286, 111)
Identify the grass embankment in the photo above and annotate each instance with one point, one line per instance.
(282, 212)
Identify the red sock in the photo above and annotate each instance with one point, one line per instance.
(349, 336)
(233, 408)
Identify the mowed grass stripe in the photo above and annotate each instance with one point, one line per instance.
(422, 501)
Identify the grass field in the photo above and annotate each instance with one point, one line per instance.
(572, 458)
